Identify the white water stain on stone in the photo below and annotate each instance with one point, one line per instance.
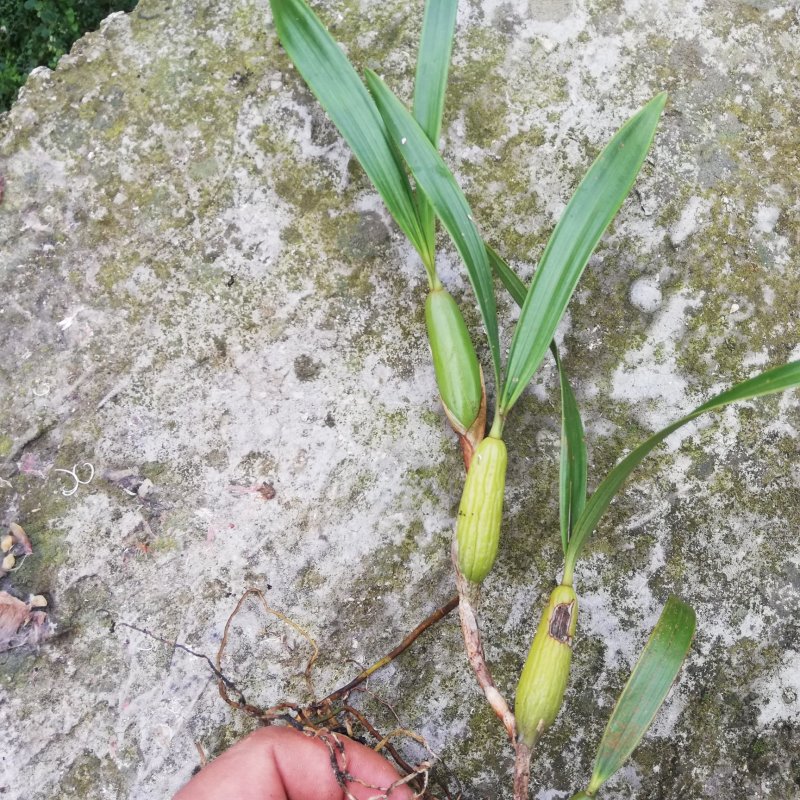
(781, 697)
(691, 219)
(649, 377)
(766, 218)
(646, 294)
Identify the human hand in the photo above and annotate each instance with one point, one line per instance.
(285, 764)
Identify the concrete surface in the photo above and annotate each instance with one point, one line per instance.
(201, 297)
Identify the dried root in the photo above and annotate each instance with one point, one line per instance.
(333, 715)
(416, 777)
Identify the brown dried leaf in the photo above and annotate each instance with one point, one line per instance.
(19, 625)
(13, 615)
(21, 538)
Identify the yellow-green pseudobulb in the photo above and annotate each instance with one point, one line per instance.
(458, 373)
(544, 677)
(481, 510)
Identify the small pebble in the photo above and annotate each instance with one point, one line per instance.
(9, 561)
(7, 543)
(38, 601)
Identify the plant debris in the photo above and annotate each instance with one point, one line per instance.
(13, 545)
(267, 491)
(21, 540)
(19, 624)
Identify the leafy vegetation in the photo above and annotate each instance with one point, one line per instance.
(35, 33)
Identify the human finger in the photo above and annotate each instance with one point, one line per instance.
(285, 764)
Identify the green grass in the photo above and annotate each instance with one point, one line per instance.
(35, 33)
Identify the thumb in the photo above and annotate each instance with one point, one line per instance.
(285, 764)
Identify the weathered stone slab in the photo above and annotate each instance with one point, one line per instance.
(202, 298)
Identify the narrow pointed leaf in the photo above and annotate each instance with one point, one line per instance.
(437, 182)
(588, 214)
(514, 286)
(430, 83)
(646, 689)
(774, 380)
(573, 468)
(341, 93)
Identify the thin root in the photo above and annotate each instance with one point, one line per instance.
(428, 622)
(281, 616)
(317, 718)
(338, 759)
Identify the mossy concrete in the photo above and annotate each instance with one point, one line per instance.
(202, 297)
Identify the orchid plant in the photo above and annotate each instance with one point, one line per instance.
(398, 149)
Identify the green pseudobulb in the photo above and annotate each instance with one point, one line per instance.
(544, 677)
(481, 510)
(458, 373)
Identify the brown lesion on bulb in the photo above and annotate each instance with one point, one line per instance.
(560, 622)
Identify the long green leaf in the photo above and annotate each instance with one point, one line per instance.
(514, 286)
(646, 689)
(591, 209)
(341, 93)
(774, 380)
(437, 182)
(573, 468)
(433, 62)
